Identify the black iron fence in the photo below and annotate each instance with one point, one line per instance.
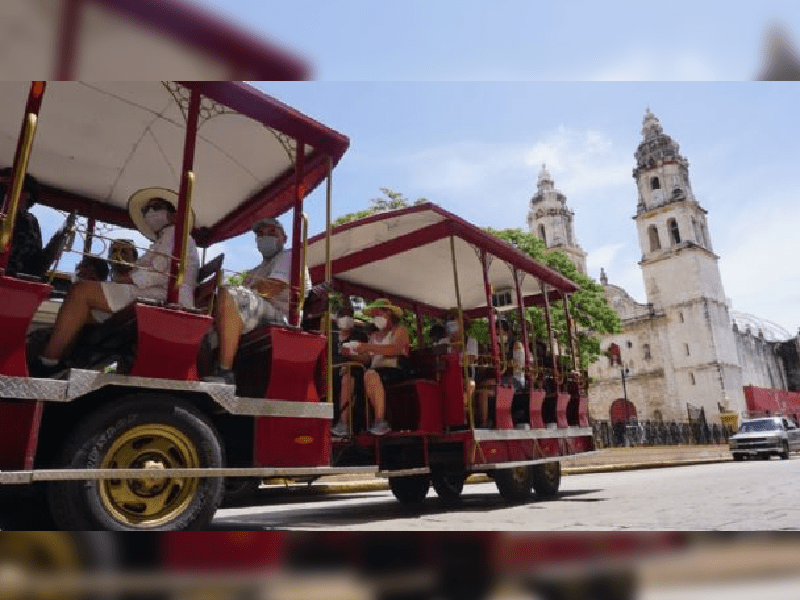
(657, 433)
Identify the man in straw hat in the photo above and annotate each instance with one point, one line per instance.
(153, 212)
(262, 298)
(382, 352)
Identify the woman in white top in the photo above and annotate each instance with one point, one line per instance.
(384, 349)
(153, 212)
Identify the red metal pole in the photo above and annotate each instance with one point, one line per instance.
(299, 192)
(71, 12)
(183, 200)
(524, 321)
(492, 327)
(550, 347)
(419, 325)
(32, 106)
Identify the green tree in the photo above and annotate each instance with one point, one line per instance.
(390, 200)
(588, 307)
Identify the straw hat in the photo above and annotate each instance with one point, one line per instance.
(383, 304)
(137, 201)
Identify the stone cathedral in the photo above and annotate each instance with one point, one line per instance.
(682, 348)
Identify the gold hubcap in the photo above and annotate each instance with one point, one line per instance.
(151, 500)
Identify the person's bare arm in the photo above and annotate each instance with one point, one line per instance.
(399, 347)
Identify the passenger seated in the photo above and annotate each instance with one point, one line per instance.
(262, 298)
(91, 268)
(122, 257)
(153, 212)
(27, 255)
(456, 338)
(383, 352)
(346, 378)
(508, 345)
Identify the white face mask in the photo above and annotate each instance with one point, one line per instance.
(380, 322)
(156, 219)
(451, 327)
(345, 322)
(268, 245)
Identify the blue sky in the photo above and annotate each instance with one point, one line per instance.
(476, 149)
(461, 101)
(571, 40)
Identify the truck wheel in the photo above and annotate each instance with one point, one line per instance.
(142, 431)
(547, 479)
(514, 484)
(411, 489)
(785, 453)
(448, 484)
(738, 457)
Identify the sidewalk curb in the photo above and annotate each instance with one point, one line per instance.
(376, 485)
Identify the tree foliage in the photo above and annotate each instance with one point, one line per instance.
(588, 307)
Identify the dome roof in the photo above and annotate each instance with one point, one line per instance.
(772, 331)
(656, 144)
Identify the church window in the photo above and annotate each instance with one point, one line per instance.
(692, 379)
(655, 184)
(686, 347)
(680, 317)
(674, 233)
(655, 243)
(646, 348)
(658, 415)
(542, 235)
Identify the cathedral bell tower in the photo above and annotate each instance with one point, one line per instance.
(681, 274)
(552, 221)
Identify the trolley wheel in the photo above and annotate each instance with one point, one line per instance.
(737, 456)
(410, 489)
(448, 484)
(785, 452)
(547, 479)
(514, 484)
(149, 431)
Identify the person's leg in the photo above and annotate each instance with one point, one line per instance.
(74, 314)
(375, 394)
(345, 397)
(229, 328)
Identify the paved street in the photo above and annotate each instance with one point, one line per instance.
(754, 495)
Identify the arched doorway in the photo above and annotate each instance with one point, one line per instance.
(622, 411)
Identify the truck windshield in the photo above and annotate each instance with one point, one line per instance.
(765, 425)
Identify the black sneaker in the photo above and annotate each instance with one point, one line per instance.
(38, 369)
(220, 375)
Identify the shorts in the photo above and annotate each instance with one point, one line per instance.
(254, 309)
(390, 375)
(119, 295)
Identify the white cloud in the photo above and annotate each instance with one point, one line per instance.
(647, 64)
(602, 257)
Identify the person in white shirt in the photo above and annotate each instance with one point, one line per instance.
(262, 298)
(153, 212)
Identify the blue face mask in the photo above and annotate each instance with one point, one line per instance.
(268, 245)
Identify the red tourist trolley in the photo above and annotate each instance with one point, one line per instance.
(428, 261)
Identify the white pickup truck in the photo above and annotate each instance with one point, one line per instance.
(764, 437)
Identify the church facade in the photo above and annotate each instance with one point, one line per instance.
(681, 350)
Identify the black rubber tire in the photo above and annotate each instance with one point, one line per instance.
(785, 453)
(411, 489)
(514, 485)
(448, 484)
(738, 457)
(79, 505)
(547, 479)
